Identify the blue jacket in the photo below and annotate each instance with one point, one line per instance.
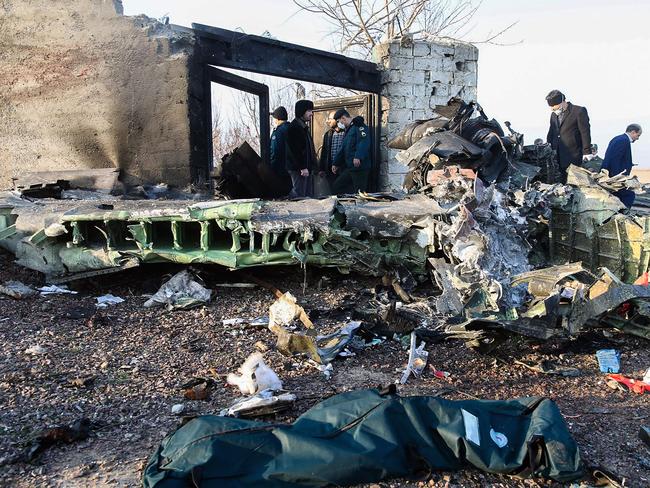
(356, 145)
(618, 159)
(279, 149)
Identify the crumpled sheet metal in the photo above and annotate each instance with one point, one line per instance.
(300, 216)
(391, 218)
(592, 309)
(636, 321)
(446, 145)
(541, 282)
(582, 177)
(415, 131)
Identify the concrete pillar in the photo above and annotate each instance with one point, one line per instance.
(417, 76)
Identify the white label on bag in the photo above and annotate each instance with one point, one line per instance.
(472, 433)
(499, 439)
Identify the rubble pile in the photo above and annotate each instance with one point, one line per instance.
(482, 243)
(481, 210)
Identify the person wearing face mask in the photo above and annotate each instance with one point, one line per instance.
(618, 159)
(332, 142)
(353, 161)
(301, 155)
(569, 133)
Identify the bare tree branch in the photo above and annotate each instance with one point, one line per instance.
(360, 24)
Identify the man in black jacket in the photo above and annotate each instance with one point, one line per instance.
(301, 155)
(569, 133)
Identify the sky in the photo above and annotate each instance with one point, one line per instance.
(597, 52)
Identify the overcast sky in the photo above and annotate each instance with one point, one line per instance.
(596, 51)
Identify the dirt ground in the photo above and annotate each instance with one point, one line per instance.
(138, 359)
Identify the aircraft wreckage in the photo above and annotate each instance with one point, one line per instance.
(480, 212)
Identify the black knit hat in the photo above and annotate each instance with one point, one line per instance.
(555, 97)
(302, 106)
(340, 113)
(280, 113)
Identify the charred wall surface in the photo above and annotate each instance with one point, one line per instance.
(85, 87)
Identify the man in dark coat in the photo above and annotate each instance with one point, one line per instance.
(279, 150)
(618, 159)
(569, 133)
(301, 155)
(353, 162)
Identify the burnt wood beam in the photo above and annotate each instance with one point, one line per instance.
(257, 54)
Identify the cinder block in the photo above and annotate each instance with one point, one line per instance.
(421, 103)
(466, 52)
(465, 79)
(444, 77)
(400, 116)
(441, 48)
(438, 90)
(399, 102)
(399, 62)
(471, 66)
(390, 76)
(419, 114)
(396, 168)
(429, 63)
(397, 89)
(393, 128)
(449, 64)
(395, 181)
(412, 77)
(421, 48)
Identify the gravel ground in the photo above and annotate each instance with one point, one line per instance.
(138, 359)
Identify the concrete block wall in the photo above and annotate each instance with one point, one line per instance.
(417, 76)
(84, 87)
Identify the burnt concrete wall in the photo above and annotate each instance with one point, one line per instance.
(84, 87)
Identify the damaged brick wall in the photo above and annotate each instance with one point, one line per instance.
(85, 87)
(417, 76)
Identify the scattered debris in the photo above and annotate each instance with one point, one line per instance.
(332, 345)
(609, 360)
(637, 386)
(182, 291)
(55, 290)
(83, 381)
(235, 285)
(255, 376)
(199, 391)
(178, 409)
(289, 343)
(67, 434)
(36, 350)
(547, 367)
(17, 290)
(105, 300)
(265, 402)
(417, 359)
(644, 435)
(285, 310)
